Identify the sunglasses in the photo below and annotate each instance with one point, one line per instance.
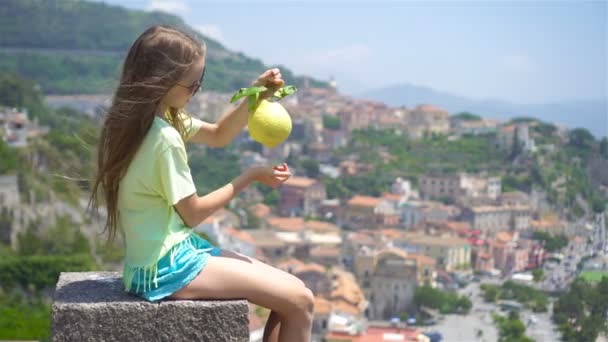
(194, 87)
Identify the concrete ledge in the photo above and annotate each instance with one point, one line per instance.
(92, 306)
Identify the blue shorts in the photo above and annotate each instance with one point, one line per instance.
(190, 257)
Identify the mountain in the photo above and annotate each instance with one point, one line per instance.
(75, 47)
(589, 114)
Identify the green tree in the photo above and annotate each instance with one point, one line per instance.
(538, 275)
(332, 122)
(604, 148)
(466, 116)
(311, 168)
(582, 313)
(511, 328)
(581, 139)
(9, 157)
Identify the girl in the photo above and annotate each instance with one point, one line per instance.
(143, 175)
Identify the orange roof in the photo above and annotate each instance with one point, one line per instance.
(458, 225)
(290, 224)
(321, 226)
(391, 232)
(300, 182)
(394, 251)
(321, 251)
(322, 306)
(364, 201)
(507, 129)
(504, 237)
(239, 234)
(422, 259)
(310, 267)
(346, 287)
(392, 197)
(429, 108)
(361, 238)
(376, 334)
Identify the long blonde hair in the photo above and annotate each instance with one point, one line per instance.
(156, 62)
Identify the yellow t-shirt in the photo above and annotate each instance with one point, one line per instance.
(157, 178)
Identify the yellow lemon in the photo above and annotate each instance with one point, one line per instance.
(269, 124)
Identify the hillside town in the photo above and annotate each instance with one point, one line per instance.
(364, 257)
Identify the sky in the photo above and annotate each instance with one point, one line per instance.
(518, 51)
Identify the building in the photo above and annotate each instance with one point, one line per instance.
(316, 279)
(362, 212)
(456, 186)
(461, 126)
(509, 134)
(427, 119)
(366, 261)
(393, 283)
(450, 252)
(495, 218)
(377, 333)
(418, 212)
(16, 128)
(301, 196)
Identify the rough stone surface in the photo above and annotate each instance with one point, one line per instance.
(92, 306)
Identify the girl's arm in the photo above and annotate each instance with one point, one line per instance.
(232, 123)
(194, 209)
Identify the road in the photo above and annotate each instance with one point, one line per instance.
(460, 328)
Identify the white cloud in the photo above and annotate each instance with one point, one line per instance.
(212, 31)
(519, 62)
(170, 6)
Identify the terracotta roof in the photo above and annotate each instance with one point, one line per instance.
(364, 201)
(423, 239)
(393, 251)
(377, 334)
(361, 238)
(345, 286)
(429, 108)
(322, 306)
(324, 251)
(290, 224)
(422, 259)
(265, 238)
(239, 234)
(392, 197)
(310, 267)
(508, 129)
(300, 182)
(391, 232)
(504, 236)
(321, 226)
(458, 225)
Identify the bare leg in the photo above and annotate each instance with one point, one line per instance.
(233, 276)
(272, 328)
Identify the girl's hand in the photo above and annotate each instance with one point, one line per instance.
(271, 176)
(270, 79)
